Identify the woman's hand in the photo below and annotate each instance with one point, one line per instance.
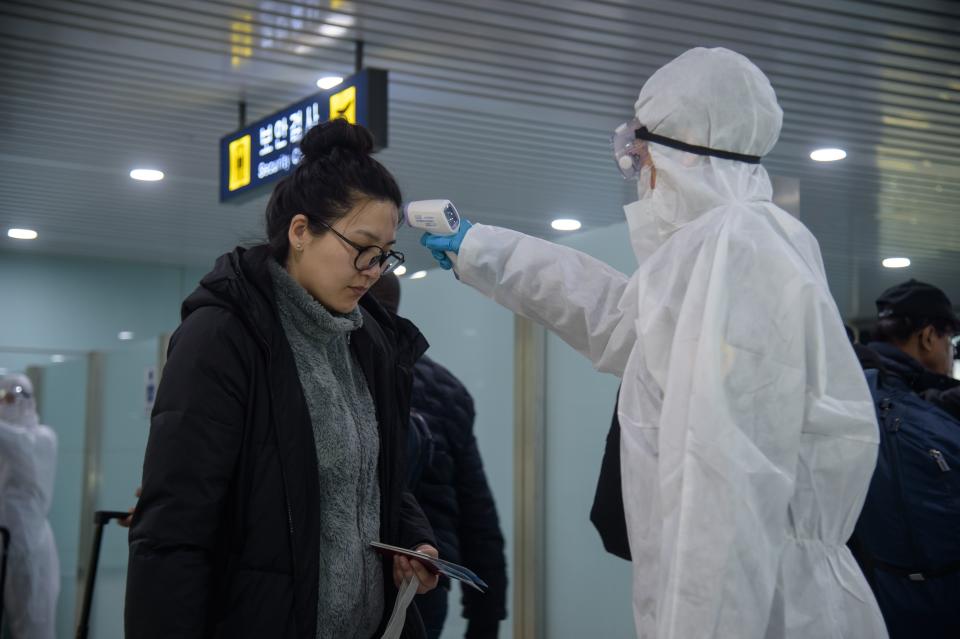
(129, 520)
(404, 568)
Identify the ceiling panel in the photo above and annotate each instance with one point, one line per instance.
(505, 106)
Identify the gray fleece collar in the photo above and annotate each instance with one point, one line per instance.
(308, 315)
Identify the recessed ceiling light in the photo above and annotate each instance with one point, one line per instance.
(22, 234)
(146, 175)
(565, 225)
(400, 270)
(419, 275)
(828, 155)
(343, 19)
(332, 30)
(125, 336)
(58, 359)
(329, 81)
(896, 262)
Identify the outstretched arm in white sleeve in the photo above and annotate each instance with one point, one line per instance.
(584, 301)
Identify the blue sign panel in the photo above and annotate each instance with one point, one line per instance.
(269, 149)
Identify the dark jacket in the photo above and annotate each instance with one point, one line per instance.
(607, 513)
(455, 496)
(907, 538)
(947, 400)
(224, 541)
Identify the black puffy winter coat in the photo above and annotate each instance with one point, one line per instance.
(225, 539)
(455, 496)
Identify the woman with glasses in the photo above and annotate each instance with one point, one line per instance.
(274, 456)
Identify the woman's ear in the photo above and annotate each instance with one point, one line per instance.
(297, 231)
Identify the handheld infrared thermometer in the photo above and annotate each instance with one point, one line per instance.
(439, 217)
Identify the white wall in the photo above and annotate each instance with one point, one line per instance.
(81, 304)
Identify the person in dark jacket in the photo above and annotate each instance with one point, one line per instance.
(907, 539)
(453, 491)
(276, 449)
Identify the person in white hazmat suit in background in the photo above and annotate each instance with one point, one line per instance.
(28, 458)
(748, 433)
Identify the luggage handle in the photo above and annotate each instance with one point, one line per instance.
(100, 519)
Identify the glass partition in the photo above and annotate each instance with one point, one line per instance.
(588, 591)
(473, 337)
(127, 381)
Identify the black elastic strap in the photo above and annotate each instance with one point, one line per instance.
(643, 134)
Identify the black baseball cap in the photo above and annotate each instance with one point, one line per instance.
(917, 300)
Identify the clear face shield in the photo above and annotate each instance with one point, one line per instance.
(16, 401)
(629, 152)
(10, 396)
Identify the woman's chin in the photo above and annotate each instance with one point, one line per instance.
(345, 307)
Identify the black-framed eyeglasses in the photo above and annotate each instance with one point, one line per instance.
(370, 256)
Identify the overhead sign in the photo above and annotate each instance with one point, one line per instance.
(269, 149)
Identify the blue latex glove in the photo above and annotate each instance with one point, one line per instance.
(439, 245)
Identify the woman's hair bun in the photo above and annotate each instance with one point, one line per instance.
(322, 139)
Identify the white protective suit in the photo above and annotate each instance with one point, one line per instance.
(28, 457)
(748, 432)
